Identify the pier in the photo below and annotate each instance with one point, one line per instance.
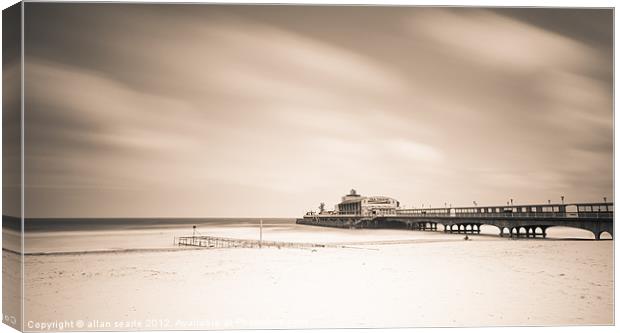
(513, 221)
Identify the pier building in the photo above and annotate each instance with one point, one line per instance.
(355, 204)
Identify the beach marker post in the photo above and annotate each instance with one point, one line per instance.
(193, 235)
(260, 241)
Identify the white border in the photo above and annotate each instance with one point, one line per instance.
(478, 3)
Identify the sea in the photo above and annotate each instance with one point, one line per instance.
(74, 235)
(84, 235)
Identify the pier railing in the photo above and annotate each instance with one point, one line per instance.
(408, 213)
(514, 214)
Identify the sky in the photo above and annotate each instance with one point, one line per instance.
(247, 111)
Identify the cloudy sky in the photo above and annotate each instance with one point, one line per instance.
(201, 110)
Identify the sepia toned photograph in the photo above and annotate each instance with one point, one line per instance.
(204, 166)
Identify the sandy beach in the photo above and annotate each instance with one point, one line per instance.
(384, 278)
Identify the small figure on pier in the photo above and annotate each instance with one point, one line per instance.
(466, 237)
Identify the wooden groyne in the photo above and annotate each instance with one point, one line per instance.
(222, 242)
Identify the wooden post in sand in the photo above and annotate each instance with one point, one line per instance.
(260, 241)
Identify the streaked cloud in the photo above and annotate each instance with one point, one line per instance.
(242, 111)
(500, 42)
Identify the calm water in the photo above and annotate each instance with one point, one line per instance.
(103, 224)
(82, 235)
(76, 235)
